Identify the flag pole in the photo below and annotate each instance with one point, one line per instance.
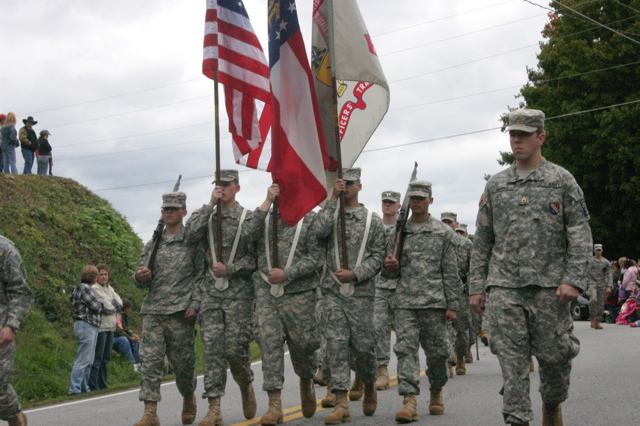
(334, 94)
(274, 233)
(217, 182)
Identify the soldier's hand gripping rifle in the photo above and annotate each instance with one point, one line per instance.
(403, 214)
(157, 234)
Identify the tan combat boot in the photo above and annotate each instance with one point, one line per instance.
(308, 397)
(329, 400)
(598, 326)
(370, 402)
(593, 322)
(249, 406)
(468, 359)
(461, 370)
(532, 367)
(274, 416)
(357, 390)
(150, 417)
(410, 412)
(189, 410)
(436, 404)
(383, 378)
(20, 420)
(551, 414)
(484, 336)
(214, 415)
(341, 413)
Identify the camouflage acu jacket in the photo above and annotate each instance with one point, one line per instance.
(178, 267)
(428, 276)
(374, 250)
(307, 260)
(600, 272)
(463, 252)
(531, 232)
(16, 298)
(244, 263)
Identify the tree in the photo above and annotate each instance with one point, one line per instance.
(588, 84)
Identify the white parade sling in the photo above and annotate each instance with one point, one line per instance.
(222, 283)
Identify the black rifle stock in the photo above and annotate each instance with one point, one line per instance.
(157, 234)
(403, 214)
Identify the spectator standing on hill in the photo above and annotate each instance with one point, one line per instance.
(87, 312)
(104, 342)
(9, 143)
(169, 311)
(2, 118)
(125, 342)
(16, 301)
(29, 143)
(44, 153)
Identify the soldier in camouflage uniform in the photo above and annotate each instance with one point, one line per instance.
(426, 299)
(169, 311)
(385, 289)
(348, 306)
(599, 285)
(16, 300)
(462, 323)
(285, 309)
(530, 252)
(226, 296)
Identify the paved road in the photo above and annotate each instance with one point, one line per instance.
(605, 380)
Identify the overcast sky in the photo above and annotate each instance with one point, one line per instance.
(119, 86)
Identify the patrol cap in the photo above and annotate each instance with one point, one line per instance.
(391, 196)
(419, 188)
(453, 217)
(177, 200)
(44, 133)
(229, 175)
(462, 228)
(597, 247)
(526, 120)
(352, 174)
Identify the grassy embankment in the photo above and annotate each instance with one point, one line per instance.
(59, 226)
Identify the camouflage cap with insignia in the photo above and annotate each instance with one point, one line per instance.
(526, 120)
(391, 196)
(419, 188)
(352, 174)
(229, 175)
(597, 247)
(453, 217)
(176, 200)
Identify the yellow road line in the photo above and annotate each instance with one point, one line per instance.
(297, 410)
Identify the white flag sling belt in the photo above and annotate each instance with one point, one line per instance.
(277, 290)
(222, 283)
(347, 289)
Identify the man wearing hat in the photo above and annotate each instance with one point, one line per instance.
(462, 324)
(226, 295)
(44, 149)
(531, 249)
(385, 289)
(29, 143)
(285, 310)
(427, 297)
(169, 311)
(599, 285)
(348, 293)
(462, 230)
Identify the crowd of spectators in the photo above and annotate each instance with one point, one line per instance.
(32, 146)
(622, 300)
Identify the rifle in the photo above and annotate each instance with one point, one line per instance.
(402, 218)
(157, 234)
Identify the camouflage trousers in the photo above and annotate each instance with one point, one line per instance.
(348, 328)
(173, 336)
(383, 324)
(524, 322)
(226, 333)
(461, 327)
(597, 293)
(415, 328)
(291, 319)
(9, 405)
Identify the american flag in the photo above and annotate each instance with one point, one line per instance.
(232, 47)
